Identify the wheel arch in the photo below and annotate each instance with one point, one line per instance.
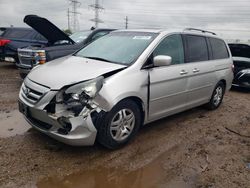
(139, 102)
(224, 82)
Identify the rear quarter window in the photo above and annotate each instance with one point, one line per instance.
(219, 48)
(196, 48)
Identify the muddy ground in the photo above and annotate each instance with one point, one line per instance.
(196, 148)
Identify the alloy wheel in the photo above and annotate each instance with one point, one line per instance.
(122, 124)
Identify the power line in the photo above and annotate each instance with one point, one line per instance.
(68, 19)
(97, 8)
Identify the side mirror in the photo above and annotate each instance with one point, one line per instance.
(162, 60)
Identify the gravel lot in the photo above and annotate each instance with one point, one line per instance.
(196, 148)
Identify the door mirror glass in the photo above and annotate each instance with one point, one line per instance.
(162, 60)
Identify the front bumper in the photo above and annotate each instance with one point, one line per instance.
(242, 85)
(8, 58)
(82, 132)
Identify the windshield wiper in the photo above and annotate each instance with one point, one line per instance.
(99, 58)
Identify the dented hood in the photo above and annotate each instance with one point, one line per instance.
(69, 70)
(46, 28)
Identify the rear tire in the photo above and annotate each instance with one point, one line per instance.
(217, 96)
(120, 125)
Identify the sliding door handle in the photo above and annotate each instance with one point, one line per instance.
(183, 72)
(195, 70)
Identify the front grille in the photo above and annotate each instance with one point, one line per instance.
(26, 58)
(33, 92)
(27, 62)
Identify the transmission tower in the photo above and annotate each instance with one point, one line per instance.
(126, 22)
(97, 8)
(74, 20)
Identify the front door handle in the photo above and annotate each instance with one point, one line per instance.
(183, 72)
(195, 70)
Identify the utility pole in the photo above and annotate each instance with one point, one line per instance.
(68, 19)
(97, 8)
(75, 4)
(126, 22)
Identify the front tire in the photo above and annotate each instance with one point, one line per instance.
(120, 125)
(217, 96)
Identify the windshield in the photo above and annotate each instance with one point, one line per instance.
(118, 47)
(80, 36)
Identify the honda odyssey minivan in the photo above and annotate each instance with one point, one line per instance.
(126, 79)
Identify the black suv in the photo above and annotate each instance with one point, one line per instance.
(12, 38)
(59, 44)
(241, 58)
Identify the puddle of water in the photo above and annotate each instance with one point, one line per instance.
(149, 176)
(12, 123)
(103, 177)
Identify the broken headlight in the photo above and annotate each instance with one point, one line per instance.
(79, 95)
(88, 89)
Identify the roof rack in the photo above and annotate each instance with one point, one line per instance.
(203, 31)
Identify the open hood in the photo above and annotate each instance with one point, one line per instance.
(46, 28)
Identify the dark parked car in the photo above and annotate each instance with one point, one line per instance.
(241, 57)
(12, 38)
(59, 44)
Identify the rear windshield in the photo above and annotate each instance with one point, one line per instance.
(23, 33)
(118, 47)
(240, 50)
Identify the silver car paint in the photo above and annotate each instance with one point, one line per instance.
(172, 89)
(55, 74)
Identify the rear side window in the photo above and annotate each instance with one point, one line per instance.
(196, 48)
(219, 48)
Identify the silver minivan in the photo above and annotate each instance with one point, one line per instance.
(128, 78)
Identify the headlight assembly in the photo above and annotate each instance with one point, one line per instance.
(40, 57)
(88, 89)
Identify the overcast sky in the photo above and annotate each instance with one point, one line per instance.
(229, 18)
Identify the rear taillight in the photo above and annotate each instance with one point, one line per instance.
(232, 67)
(3, 42)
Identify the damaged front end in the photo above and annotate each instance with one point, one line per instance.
(68, 115)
